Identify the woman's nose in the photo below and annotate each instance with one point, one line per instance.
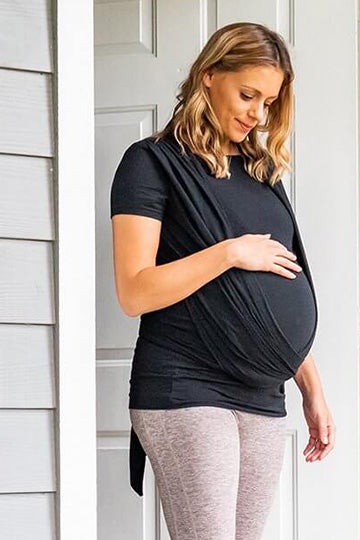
(258, 112)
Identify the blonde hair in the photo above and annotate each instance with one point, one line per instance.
(194, 123)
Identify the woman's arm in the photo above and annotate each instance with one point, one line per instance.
(317, 414)
(308, 380)
(143, 286)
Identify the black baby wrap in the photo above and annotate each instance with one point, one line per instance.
(231, 313)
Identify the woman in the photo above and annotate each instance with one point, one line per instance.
(207, 251)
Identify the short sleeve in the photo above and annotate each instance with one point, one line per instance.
(139, 185)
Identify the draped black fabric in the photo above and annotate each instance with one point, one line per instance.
(231, 313)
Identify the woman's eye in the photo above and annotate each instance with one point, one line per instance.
(246, 97)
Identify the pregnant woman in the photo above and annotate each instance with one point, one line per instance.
(208, 252)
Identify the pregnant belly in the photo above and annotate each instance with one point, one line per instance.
(292, 304)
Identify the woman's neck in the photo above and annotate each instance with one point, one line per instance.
(232, 150)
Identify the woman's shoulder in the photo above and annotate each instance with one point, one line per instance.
(140, 145)
(151, 141)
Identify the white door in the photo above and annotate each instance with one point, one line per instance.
(142, 52)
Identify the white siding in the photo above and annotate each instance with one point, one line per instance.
(27, 314)
(26, 113)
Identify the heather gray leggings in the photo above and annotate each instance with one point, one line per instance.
(216, 469)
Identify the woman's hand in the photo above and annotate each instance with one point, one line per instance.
(321, 428)
(259, 252)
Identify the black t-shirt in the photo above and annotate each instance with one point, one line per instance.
(171, 364)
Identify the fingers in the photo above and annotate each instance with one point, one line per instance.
(278, 269)
(319, 450)
(286, 252)
(289, 264)
(331, 437)
(284, 262)
(311, 448)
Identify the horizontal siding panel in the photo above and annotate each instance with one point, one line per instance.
(27, 378)
(26, 35)
(27, 451)
(26, 282)
(27, 517)
(26, 197)
(26, 113)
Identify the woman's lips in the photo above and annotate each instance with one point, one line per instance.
(244, 127)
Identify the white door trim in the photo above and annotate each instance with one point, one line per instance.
(75, 269)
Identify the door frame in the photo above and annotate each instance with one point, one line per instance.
(74, 274)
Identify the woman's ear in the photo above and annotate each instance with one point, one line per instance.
(207, 78)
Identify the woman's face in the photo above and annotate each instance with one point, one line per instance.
(242, 96)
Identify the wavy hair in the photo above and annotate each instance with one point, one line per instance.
(194, 123)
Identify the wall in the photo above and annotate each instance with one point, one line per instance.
(27, 300)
